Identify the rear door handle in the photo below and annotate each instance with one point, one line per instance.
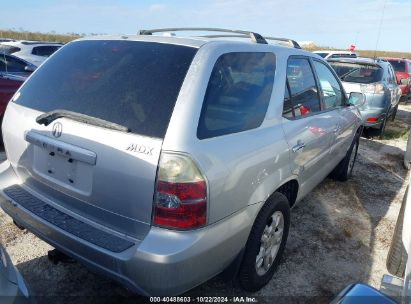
(337, 129)
(299, 146)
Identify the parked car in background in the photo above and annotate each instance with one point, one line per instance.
(211, 154)
(9, 84)
(34, 52)
(376, 79)
(13, 289)
(336, 54)
(402, 68)
(13, 65)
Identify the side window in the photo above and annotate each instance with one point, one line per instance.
(44, 51)
(2, 64)
(303, 90)
(15, 65)
(331, 91)
(391, 77)
(238, 94)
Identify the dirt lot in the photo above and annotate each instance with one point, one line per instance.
(340, 234)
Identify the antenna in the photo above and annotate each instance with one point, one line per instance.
(379, 29)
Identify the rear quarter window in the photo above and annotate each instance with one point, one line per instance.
(131, 83)
(238, 94)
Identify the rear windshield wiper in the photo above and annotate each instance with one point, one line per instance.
(49, 117)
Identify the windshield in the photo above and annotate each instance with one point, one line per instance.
(134, 84)
(356, 72)
(398, 65)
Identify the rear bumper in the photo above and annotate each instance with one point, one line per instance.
(378, 113)
(164, 263)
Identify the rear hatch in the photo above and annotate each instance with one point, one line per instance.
(97, 156)
(363, 77)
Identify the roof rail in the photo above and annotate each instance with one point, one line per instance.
(255, 37)
(290, 41)
(293, 43)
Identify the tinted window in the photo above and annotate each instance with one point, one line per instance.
(356, 72)
(13, 64)
(344, 55)
(45, 51)
(237, 94)
(8, 49)
(332, 95)
(134, 84)
(303, 89)
(398, 65)
(391, 78)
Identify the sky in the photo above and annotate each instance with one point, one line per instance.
(332, 23)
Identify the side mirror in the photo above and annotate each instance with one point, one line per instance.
(29, 68)
(356, 99)
(404, 81)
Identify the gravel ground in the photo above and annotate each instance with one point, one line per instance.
(340, 234)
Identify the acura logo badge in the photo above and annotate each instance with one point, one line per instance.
(57, 129)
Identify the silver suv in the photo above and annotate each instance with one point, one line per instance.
(162, 161)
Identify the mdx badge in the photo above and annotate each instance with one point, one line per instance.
(57, 129)
(140, 149)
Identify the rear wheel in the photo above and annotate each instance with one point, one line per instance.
(344, 169)
(394, 113)
(265, 244)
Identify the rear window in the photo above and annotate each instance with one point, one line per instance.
(238, 94)
(8, 49)
(344, 55)
(45, 51)
(398, 65)
(358, 73)
(134, 84)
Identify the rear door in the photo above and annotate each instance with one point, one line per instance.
(334, 103)
(94, 171)
(308, 130)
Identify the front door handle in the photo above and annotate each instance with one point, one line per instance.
(299, 146)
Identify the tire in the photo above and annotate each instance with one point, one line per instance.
(345, 167)
(394, 113)
(382, 129)
(251, 276)
(397, 255)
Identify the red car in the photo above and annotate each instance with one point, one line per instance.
(402, 68)
(9, 84)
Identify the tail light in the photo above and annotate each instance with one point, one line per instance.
(180, 200)
(372, 119)
(372, 88)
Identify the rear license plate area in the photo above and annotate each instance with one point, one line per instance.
(63, 170)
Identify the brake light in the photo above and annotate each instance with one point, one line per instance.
(372, 119)
(372, 88)
(180, 201)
